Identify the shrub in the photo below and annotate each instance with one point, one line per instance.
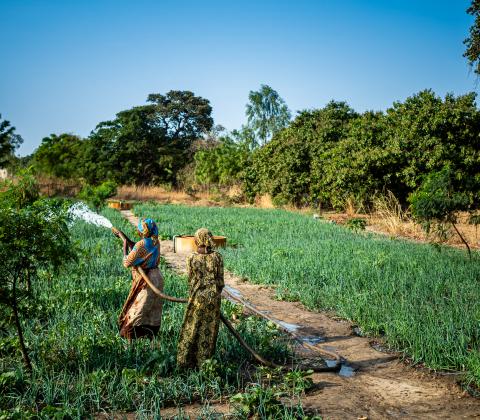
(96, 196)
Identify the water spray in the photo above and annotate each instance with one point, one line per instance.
(81, 211)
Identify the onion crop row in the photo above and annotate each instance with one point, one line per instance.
(424, 300)
(82, 366)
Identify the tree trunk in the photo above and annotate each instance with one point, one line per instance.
(29, 282)
(463, 240)
(26, 358)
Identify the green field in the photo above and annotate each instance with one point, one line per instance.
(424, 300)
(82, 366)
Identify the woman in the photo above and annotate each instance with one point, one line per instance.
(202, 317)
(142, 312)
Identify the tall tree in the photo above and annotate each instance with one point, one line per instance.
(59, 155)
(267, 113)
(182, 115)
(9, 141)
(472, 53)
(148, 143)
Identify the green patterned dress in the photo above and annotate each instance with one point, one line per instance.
(198, 335)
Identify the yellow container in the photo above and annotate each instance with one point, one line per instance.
(119, 204)
(185, 244)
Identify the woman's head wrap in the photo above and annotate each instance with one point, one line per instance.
(204, 240)
(148, 229)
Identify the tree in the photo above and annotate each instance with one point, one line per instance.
(472, 52)
(97, 196)
(59, 155)
(437, 202)
(293, 166)
(183, 116)
(333, 154)
(225, 163)
(9, 141)
(34, 236)
(267, 113)
(425, 133)
(149, 143)
(128, 149)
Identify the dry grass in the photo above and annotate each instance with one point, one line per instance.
(389, 216)
(53, 187)
(350, 207)
(264, 202)
(165, 195)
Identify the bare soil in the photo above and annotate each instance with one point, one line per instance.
(382, 387)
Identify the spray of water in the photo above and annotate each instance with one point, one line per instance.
(81, 211)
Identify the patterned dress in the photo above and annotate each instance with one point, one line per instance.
(142, 312)
(198, 335)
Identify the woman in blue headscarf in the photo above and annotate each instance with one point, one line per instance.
(142, 312)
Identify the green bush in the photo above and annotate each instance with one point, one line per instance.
(96, 196)
(356, 224)
(328, 155)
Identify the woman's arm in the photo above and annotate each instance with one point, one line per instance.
(127, 243)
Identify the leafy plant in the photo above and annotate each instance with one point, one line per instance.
(356, 224)
(96, 196)
(259, 401)
(34, 236)
(264, 398)
(437, 202)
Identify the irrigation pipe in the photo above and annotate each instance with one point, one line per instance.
(235, 333)
(252, 308)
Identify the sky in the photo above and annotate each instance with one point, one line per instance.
(67, 65)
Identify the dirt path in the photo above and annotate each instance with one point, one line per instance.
(382, 387)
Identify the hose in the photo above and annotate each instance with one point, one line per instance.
(230, 327)
(239, 338)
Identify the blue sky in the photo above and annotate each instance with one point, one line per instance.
(67, 65)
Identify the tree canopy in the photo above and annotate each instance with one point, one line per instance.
(329, 155)
(59, 155)
(472, 52)
(267, 113)
(9, 141)
(146, 144)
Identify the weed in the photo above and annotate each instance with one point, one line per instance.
(356, 224)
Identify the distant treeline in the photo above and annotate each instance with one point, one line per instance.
(323, 157)
(329, 155)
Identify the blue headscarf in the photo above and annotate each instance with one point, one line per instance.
(149, 230)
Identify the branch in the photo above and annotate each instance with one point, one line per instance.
(463, 240)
